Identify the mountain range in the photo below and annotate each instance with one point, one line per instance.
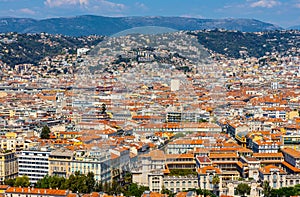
(100, 25)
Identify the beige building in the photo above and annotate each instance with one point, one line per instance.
(8, 165)
(12, 142)
(274, 175)
(59, 162)
(206, 176)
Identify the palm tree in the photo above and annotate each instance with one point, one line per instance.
(266, 189)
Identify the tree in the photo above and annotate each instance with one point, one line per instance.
(243, 189)
(215, 182)
(98, 186)
(90, 182)
(45, 134)
(166, 191)
(103, 108)
(266, 189)
(22, 181)
(43, 183)
(135, 190)
(9, 182)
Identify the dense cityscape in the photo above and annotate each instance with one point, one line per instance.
(168, 114)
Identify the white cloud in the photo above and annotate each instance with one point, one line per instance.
(265, 3)
(60, 3)
(90, 5)
(141, 5)
(27, 11)
(110, 5)
(192, 16)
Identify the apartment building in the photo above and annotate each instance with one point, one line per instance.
(291, 141)
(180, 161)
(34, 163)
(250, 167)
(269, 158)
(261, 146)
(8, 165)
(180, 146)
(175, 116)
(180, 183)
(274, 175)
(59, 162)
(291, 156)
(10, 141)
(95, 161)
(206, 176)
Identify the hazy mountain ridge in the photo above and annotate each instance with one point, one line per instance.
(99, 25)
(297, 27)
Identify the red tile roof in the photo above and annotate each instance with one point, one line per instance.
(26, 190)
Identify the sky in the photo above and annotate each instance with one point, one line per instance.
(284, 13)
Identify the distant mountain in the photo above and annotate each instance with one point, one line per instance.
(297, 27)
(146, 30)
(99, 25)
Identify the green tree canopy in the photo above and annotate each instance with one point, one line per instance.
(22, 181)
(243, 189)
(10, 182)
(266, 189)
(45, 134)
(135, 190)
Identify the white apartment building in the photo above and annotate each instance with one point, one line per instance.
(34, 164)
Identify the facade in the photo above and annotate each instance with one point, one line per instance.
(291, 141)
(11, 142)
(59, 162)
(251, 169)
(187, 116)
(96, 161)
(183, 146)
(292, 156)
(206, 176)
(34, 164)
(274, 175)
(180, 183)
(265, 147)
(8, 166)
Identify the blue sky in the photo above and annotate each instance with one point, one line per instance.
(284, 13)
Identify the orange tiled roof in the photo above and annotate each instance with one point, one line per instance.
(4, 186)
(181, 194)
(25, 190)
(156, 155)
(268, 169)
(154, 194)
(294, 169)
(294, 153)
(258, 155)
(223, 155)
(208, 168)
